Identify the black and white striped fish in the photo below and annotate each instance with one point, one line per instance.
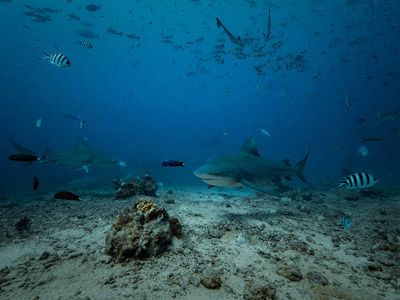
(357, 181)
(85, 44)
(59, 60)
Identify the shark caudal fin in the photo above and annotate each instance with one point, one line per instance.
(301, 166)
(219, 24)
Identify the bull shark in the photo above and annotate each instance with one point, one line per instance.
(237, 40)
(248, 168)
(82, 156)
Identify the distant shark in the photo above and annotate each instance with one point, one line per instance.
(248, 168)
(82, 157)
(237, 40)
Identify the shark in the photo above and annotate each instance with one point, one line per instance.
(237, 40)
(247, 168)
(82, 157)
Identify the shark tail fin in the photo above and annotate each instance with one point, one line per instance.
(301, 166)
(219, 24)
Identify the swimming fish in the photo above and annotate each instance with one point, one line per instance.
(268, 35)
(132, 36)
(64, 195)
(357, 181)
(39, 123)
(23, 157)
(81, 122)
(374, 138)
(35, 183)
(332, 146)
(265, 132)
(347, 100)
(172, 163)
(85, 44)
(237, 40)
(114, 31)
(346, 223)
(59, 60)
(92, 7)
(363, 151)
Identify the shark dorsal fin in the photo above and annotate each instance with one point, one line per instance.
(80, 144)
(250, 147)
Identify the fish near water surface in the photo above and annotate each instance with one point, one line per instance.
(248, 168)
(237, 40)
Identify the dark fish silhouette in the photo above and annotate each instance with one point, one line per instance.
(92, 7)
(237, 40)
(172, 163)
(23, 157)
(35, 183)
(64, 195)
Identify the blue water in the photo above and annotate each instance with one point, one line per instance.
(144, 101)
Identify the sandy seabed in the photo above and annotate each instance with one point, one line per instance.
(255, 244)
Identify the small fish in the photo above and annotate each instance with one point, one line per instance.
(59, 60)
(64, 195)
(357, 181)
(39, 123)
(346, 223)
(114, 31)
(92, 7)
(86, 33)
(35, 183)
(73, 17)
(224, 133)
(23, 157)
(374, 138)
(268, 36)
(85, 44)
(347, 100)
(363, 151)
(332, 146)
(132, 36)
(81, 124)
(228, 89)
(172, 163)
(265, 132)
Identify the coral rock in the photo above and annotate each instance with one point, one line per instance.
(142, 231)
(139, 185)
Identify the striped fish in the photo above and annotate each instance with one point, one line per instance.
(357, 181)
(85, 44)
(59, 60)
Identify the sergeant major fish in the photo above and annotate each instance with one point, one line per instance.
(59, 60)
(357, 181)
(85, 44)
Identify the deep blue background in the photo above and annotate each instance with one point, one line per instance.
(142, 104)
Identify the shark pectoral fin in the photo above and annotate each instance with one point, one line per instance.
(257, 188)
(84, 167)
(288, 178)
